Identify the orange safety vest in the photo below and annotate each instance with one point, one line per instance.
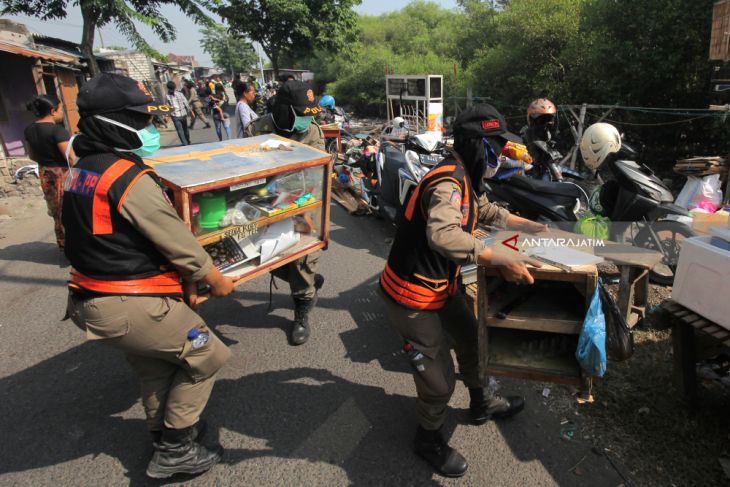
(108, 255)
(415, 275)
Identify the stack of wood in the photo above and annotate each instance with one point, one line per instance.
(701, 166)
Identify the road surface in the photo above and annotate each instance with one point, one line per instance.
(338, 410)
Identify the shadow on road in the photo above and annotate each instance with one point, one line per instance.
(68, 407)
(36, 252)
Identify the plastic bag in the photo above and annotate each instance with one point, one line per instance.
(700, 192)
(619, 337)
(593, 226)
(591, 351)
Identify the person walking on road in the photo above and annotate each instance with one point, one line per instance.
(293, 118)
(221, 120)
(420, 282)
(196, 107)
(135, 269)
(47, 144)
(179, 112)
(245, 94)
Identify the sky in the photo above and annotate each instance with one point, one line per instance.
(188, 37)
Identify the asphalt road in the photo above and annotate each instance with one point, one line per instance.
(335, 411)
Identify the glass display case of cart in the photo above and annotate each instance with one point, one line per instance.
(254, 204)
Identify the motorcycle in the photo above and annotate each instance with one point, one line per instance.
(386, 179)
(538, 200)
(642, 209)
(639, 205)
(547, 161)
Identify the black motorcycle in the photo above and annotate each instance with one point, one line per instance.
(638, 203)
(641, 208)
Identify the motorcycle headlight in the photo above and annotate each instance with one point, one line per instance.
(412, 158)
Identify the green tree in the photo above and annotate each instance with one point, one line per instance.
(644, 52)
(121, 13)
(227, 51)
(526, 57)
(287, 28)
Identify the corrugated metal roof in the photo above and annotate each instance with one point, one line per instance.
(45, 53)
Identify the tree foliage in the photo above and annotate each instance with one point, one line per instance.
(228, 51)
(292, 27)
(645, 53)
(121, 13)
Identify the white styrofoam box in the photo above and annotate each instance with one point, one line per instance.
(702, 280)
(720, 232)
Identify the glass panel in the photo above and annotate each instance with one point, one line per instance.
(435, 87)
(254, 201)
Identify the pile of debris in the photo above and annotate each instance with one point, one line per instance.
(15, 181)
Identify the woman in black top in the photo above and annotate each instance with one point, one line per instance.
(47, 144)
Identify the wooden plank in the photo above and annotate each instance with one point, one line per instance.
(532, 374)
(718, 33)
(721, 334)
(565, 327)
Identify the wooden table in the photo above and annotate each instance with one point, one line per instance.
(554, 319)
(634, 264)
(693, 338)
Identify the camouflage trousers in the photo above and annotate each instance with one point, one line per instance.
(52, 180)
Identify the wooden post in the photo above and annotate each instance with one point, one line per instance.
(685, 376)
(581, 122)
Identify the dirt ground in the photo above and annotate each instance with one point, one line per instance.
(640, 422)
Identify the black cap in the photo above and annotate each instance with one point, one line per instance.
(483, 121)
(299, 96)
(111, 92)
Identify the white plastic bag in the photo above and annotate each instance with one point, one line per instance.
(699, 192)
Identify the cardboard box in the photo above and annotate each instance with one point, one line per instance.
(701, 222)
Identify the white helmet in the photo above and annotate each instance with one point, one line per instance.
(599, 140)
(399, 122)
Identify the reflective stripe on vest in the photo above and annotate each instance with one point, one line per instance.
(165, 284)
(416, 195)
(411, 294)
(101, 217)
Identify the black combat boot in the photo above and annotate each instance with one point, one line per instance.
(484, 406)
(302, 308)
(199, 430)
(178, 452)
(432, 447)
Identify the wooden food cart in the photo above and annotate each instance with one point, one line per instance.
(537, 336)
(253, 208)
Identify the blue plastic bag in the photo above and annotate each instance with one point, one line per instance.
(591, 352)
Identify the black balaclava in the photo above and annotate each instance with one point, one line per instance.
(475, 155)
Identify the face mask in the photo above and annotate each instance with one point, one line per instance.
(301, 124)
(149, 137)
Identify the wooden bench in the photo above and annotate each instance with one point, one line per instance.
(694, 338)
